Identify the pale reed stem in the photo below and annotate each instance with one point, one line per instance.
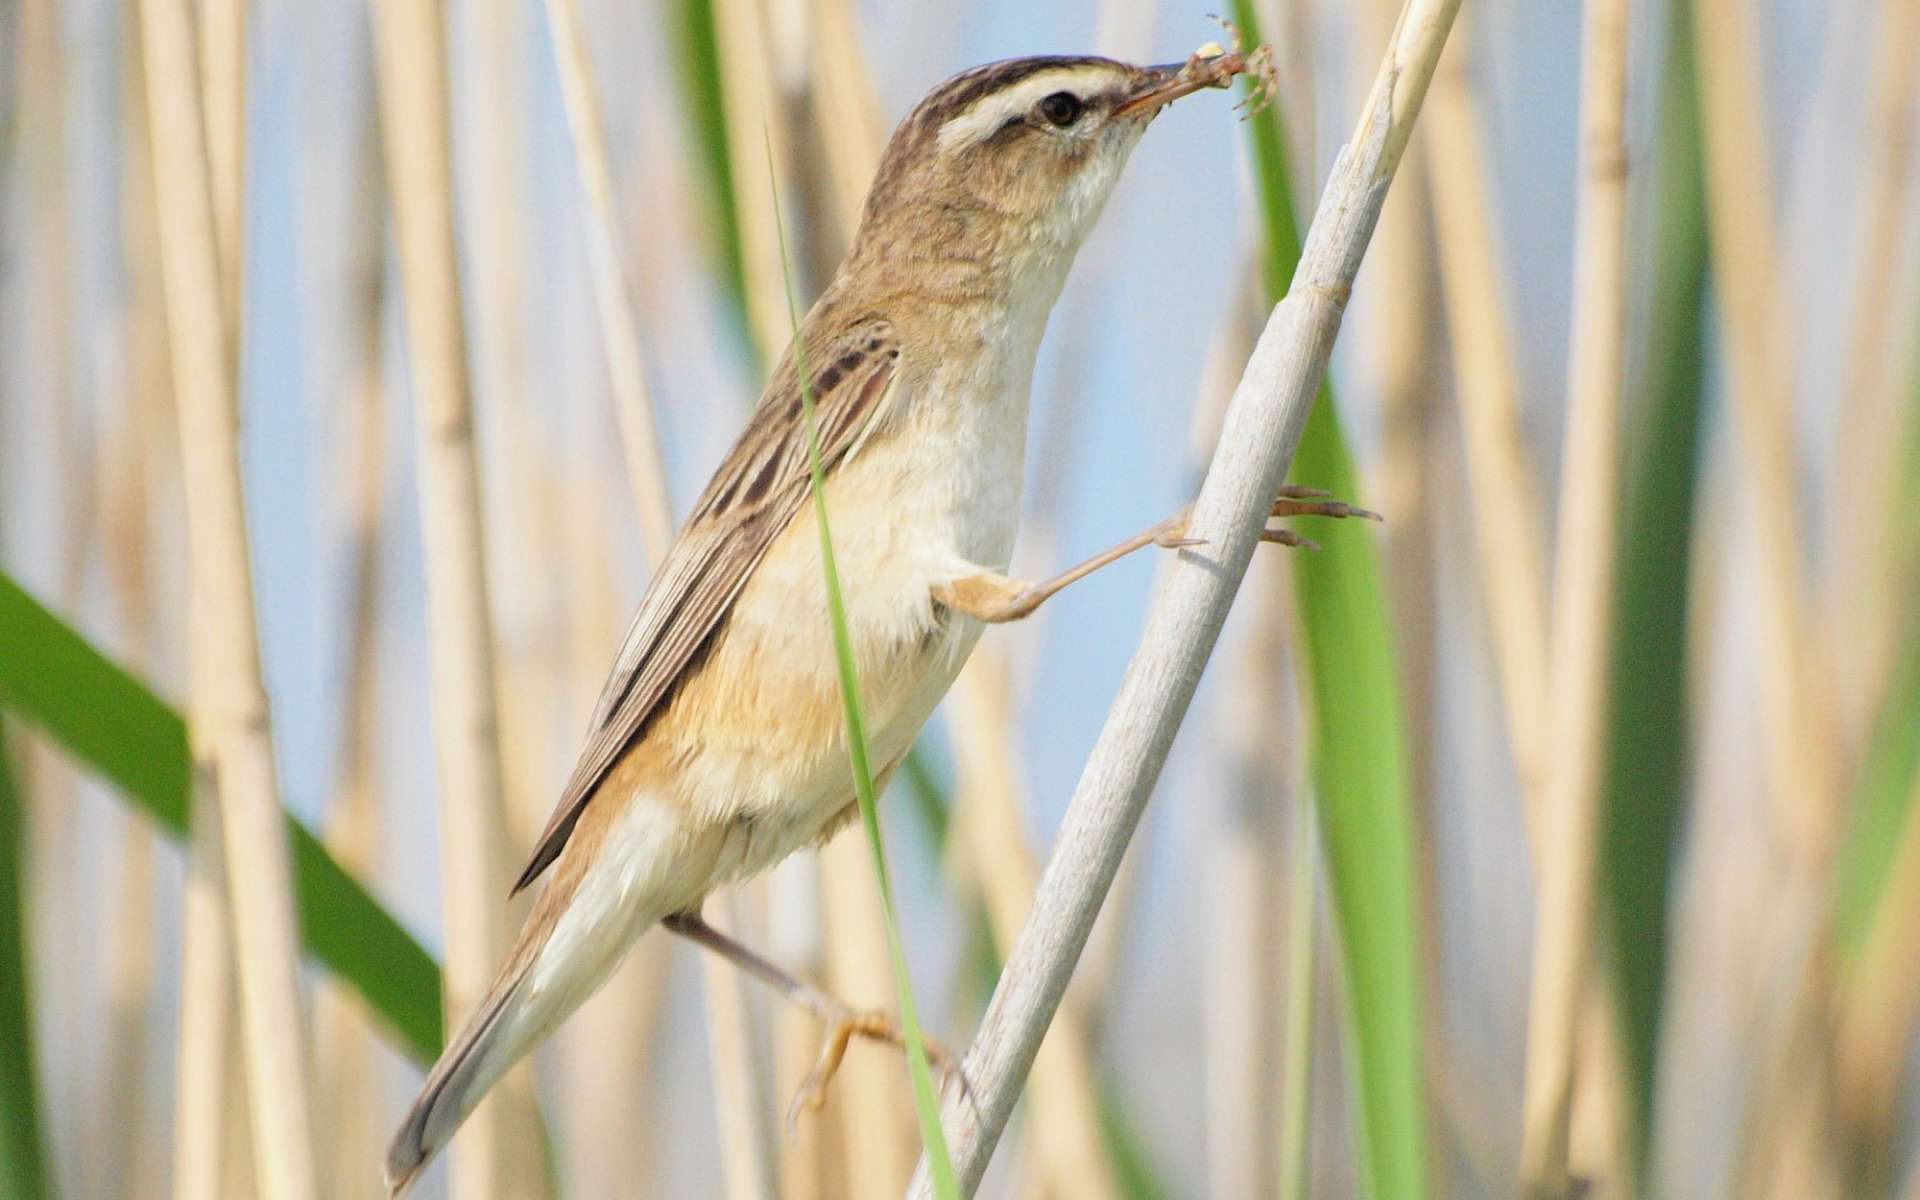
(223, 82)
(746, 1173)
(1869, 448)
(1568, 822)
(206, 952)
(755, 122)
(878, 1135)
(608, 1072)
(850, 127)
(1741, 231)
(206, 1009)
(130, 491)
(1505, 492)
(411, 63)
(619, 323)
(232, 720)
(755, 131)
(1263, 426)
(350, 1100)
(608, 1054)
(1242, 996)
(794, 940)
(1792, 1092)
(120, 1126)
(1297, 1091)
(492, 94)
(1065, 1118)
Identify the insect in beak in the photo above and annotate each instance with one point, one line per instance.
(1168, 82)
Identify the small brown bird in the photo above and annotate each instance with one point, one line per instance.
(717, 747)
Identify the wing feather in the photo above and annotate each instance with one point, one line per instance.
(752, 497)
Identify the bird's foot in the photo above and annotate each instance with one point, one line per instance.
(842, 1028)
(1293, 501)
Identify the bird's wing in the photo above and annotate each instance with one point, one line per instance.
(759, 487)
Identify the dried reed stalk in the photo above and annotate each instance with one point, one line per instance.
(878, 1134)
(1262, 428)
(351, 1110)
(136, 448)
(1242, 996)
(1741, 225)
(1793, 1091)
(232, 718)
(849, 124)
(1569, 818)
(609, 1053)
(1065, 1118)
(1505, 492)
(411, 64)
(619, 324)
(223, 82)
(607, 1076)
(493, 94)
(120, 1128)
(1869, 447)
(794, 939)
(755, 133)
(746, 1163)
(206, 1011)
(756, 130)
(1400, 351)
(207, 982)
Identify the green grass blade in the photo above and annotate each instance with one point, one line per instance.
(1883, 795)
(23, 1171)
(926, 1100)
(1357, 746)
(1882, 801)
(1133, 1171)
(107, 719)
(1647, 750)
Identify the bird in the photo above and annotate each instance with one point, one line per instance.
(718, 746)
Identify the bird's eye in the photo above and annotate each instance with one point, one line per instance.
(1062, 108)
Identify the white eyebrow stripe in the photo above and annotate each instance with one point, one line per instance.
(990, 112)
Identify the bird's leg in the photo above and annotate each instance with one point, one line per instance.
(843, 1021)
(992, 597)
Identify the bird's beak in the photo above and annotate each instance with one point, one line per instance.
(1161, 85)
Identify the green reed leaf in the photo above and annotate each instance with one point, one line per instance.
(110, 721)
(1357, 745)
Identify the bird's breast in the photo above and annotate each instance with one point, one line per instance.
(758, 731)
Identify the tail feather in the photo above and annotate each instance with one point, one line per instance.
(493, 1039)
(580, 927)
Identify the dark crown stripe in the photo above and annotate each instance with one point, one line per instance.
(962, 91)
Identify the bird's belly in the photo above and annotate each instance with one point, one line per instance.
(760, 730)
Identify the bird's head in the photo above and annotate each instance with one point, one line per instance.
(1012, 161)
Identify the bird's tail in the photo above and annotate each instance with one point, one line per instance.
(566, 951)
(494, 1037)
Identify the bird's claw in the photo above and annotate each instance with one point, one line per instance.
(1294, 500)
(811, 1095)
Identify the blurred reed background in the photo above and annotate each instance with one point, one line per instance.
(1558, 829)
